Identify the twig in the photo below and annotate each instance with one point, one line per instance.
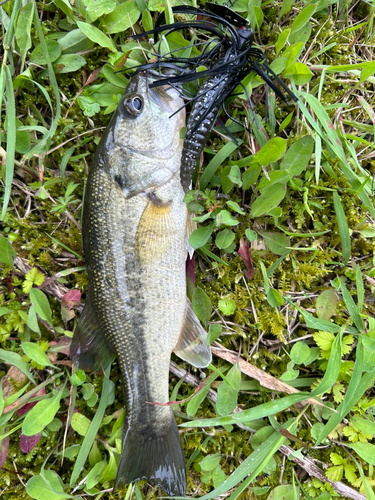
(313, 470)
(264, 378)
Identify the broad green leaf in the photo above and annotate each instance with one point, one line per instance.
(364, 450)
(15, 359)
(74, 41)
(7, 252)
(235, 206)
(97, 36)
(32, 320)
(274, 298)
(268, 199)
(226, 395)
(281, 41)
(276, 242)
(111, 470)
(196, 400)
(68, 63)
(41, 415)
(42, 307)
(36, 353)
(286, 121)
(303, 17)
(23, 29)
(38, 56)
(98, 8)
(80, 423)
(210, 462)
(272, 151)
(235, 175)
(227, 306)
(226, 183)
(250, 176)
(300, 352)
(251, 235)
(147, 21)
(225, 217)
(326, 304)
(124, 16)
(274, 177)
(298, 156)
(224, 238)
(364, 425)
(65, 6)
(299, 72)
(95, 474)
(292, 53)
(213, 333)
(39, 489)
(87, 391)
(201, 305)
(199, 236)
(287, 5)
(366, 72)
(284, 491)
(55, 425)
(301, 35)
(4, 310)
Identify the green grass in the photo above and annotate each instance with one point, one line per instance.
(298, 192)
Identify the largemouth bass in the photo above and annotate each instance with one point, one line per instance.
(135, 232)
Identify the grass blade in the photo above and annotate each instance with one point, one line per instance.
(360, 289)
(352, 308)
(254, 463)
(343, 228)
(333, 367)
(216, 161)
(251, 414)
(318, 157)
(11, 139)
(93, 429)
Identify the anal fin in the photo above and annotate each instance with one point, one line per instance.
(192, 344)
(89, 346)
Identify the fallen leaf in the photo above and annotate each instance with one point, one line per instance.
(4, 449)
(69, 300)
(244, 253)
(27, 443)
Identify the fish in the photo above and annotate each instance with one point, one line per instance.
(135, 237)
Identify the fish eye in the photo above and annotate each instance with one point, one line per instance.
(133, 105)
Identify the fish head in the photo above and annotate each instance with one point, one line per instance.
(148, 120)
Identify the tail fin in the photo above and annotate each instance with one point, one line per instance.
(156, 455)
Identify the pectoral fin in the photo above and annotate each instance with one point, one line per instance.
(192, 344)
(89, 347)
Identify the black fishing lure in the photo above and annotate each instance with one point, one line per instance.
(229, 56)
